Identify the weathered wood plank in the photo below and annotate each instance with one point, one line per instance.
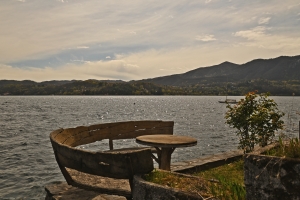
(54, 133)
(111, 144)
(100, 135)
(67, 133)
(111, 164)
(103, 126)
(145, 123)
(134, 134)
(129, 126)
(137, 125)
(76, 139)
(90, 137)
(122, 130)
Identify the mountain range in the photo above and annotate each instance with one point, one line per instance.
(282, 68)
(279, 76)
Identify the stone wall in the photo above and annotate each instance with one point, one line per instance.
(268, 177)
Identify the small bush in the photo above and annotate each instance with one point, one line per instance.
(256, 119)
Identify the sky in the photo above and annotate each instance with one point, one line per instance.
(45, 40)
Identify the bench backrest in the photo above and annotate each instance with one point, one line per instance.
(119, 130)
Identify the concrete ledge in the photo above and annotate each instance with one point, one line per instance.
(151, 191)
(206, 162)
(216, 160)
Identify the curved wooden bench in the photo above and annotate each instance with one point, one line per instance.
(115, 163)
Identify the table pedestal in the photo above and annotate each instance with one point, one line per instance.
(164, 157)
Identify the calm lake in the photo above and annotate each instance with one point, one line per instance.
(27, 159)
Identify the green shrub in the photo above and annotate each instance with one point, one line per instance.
(256, 119)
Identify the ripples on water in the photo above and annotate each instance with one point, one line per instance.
(27, 159)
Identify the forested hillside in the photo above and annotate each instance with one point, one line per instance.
(94, 87)
(279, 76)
(283, 68)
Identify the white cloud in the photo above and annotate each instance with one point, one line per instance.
(82, 47)
(205, 38)
(264, 20)
(115, 69)
(208, 1)
(275, 42)
(293, 5)
(251, 34)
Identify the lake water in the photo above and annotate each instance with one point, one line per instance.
(27, 159)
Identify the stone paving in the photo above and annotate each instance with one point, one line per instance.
(62, 191)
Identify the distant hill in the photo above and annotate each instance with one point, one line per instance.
(5, 83)
(279, 76)
(87, 87)
(276, 69)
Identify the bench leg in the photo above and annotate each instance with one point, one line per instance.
(130, 172)
(63, 170)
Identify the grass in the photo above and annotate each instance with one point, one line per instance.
(224, 182)
(229, 180)
(188, 184)
(286, 148)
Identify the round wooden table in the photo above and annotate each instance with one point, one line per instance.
(165, 146)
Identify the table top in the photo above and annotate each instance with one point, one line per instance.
(166, 140)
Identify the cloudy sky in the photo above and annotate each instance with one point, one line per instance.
(131, 40)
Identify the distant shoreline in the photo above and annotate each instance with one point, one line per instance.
(104, 88)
